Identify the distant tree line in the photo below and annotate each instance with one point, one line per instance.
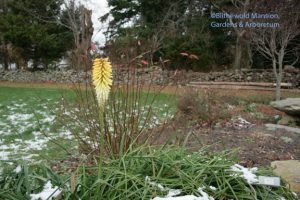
(29, 31)
(177, 33)
(173, 30)
(35, 33)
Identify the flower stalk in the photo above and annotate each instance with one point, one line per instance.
(102, 81)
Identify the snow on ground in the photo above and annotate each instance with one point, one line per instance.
(4, 155)
(36, 144)
(238, 170)
(246, 173)
(204, 195)
(19, 117)
(152, 183)
(48, 192)
(173, 194)
(18, 169)
(213, 188)
(22, 130)
(239, 123)
(186, 197)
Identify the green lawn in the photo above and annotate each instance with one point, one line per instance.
(30, 129)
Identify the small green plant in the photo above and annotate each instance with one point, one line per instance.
(250, 108)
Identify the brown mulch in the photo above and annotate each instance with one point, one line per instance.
(256, 146)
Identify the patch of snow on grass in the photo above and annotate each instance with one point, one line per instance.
(21, 105)
(173, 193)
(48, 192)
(66, 134)
(2, 133)
(186, 197)
(20, 117)
(4, 155)
(18, 169)
(204, 195)
(295, 194)
(213, 188)
(159, 186)
(36, 133)
(29, 157)
(13, 149)
(7, 150)
(36, 145)
(247, 174)
(24, 127)
(48, 119)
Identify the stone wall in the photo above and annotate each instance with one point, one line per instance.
(152, 75)
(251, 76)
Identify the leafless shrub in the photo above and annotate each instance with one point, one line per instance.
(206, 107)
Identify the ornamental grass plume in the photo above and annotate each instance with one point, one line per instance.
(102, 79)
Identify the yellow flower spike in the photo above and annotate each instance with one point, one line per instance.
(102, 79)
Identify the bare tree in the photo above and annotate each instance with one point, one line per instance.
(276, 44)
(78, 19)
(80, 23)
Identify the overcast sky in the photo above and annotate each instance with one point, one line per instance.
(99, 8)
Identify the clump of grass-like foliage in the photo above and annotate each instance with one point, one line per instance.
(125, 178)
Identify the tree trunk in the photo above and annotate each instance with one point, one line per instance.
(5, 55)
(35, 65)
(278, 76)
(249, 55)
(278, 89)
(5, 60)
(238, 54)
(83, 32)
